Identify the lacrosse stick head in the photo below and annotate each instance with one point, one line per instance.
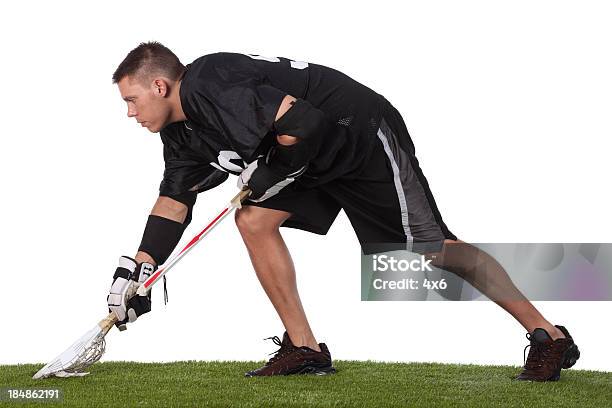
(83, 353)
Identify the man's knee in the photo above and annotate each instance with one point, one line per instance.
(253, 221)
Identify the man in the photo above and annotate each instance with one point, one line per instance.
(307, 141)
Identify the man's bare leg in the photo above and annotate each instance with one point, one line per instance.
(273, 265)
(484, 273)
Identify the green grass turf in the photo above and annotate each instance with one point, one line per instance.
(357, 384)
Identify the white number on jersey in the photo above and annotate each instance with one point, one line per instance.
(225, 163)
(294, 64)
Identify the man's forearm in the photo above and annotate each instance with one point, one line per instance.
(168, 208)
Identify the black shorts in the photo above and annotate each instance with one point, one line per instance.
(388, 202)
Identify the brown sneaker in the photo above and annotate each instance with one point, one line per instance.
(289, 359)
(547, 357)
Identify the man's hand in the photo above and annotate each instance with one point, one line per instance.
(122, 299)
(263, 180)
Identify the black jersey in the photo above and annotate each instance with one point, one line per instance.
(231, 100)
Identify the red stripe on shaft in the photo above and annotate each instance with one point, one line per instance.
(195, 239)
(152, 278)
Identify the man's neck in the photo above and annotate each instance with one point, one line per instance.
(178, 115)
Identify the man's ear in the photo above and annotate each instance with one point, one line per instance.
(160, 87)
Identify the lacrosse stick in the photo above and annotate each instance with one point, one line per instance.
(89, 349)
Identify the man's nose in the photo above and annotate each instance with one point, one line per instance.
(131, 112)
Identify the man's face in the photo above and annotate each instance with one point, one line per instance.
(146, 102)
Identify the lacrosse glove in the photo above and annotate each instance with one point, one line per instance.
(122, 299)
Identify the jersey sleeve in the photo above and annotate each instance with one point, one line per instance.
(186, 170)
(230, 93)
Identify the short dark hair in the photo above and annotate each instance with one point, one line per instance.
(150, 58)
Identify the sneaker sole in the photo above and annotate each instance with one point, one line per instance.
(308, 370)
(317, 370)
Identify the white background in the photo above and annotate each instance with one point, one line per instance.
(508, 104)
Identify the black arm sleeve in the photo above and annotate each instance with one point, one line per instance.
(161, 235)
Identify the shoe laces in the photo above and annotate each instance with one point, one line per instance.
(536, 353)
(281, 352)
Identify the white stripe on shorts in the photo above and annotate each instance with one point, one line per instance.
(398, 186)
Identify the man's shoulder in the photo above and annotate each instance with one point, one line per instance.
(209, 73)
(213, 81)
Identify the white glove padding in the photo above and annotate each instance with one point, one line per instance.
(121, 299)
(262, 181)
